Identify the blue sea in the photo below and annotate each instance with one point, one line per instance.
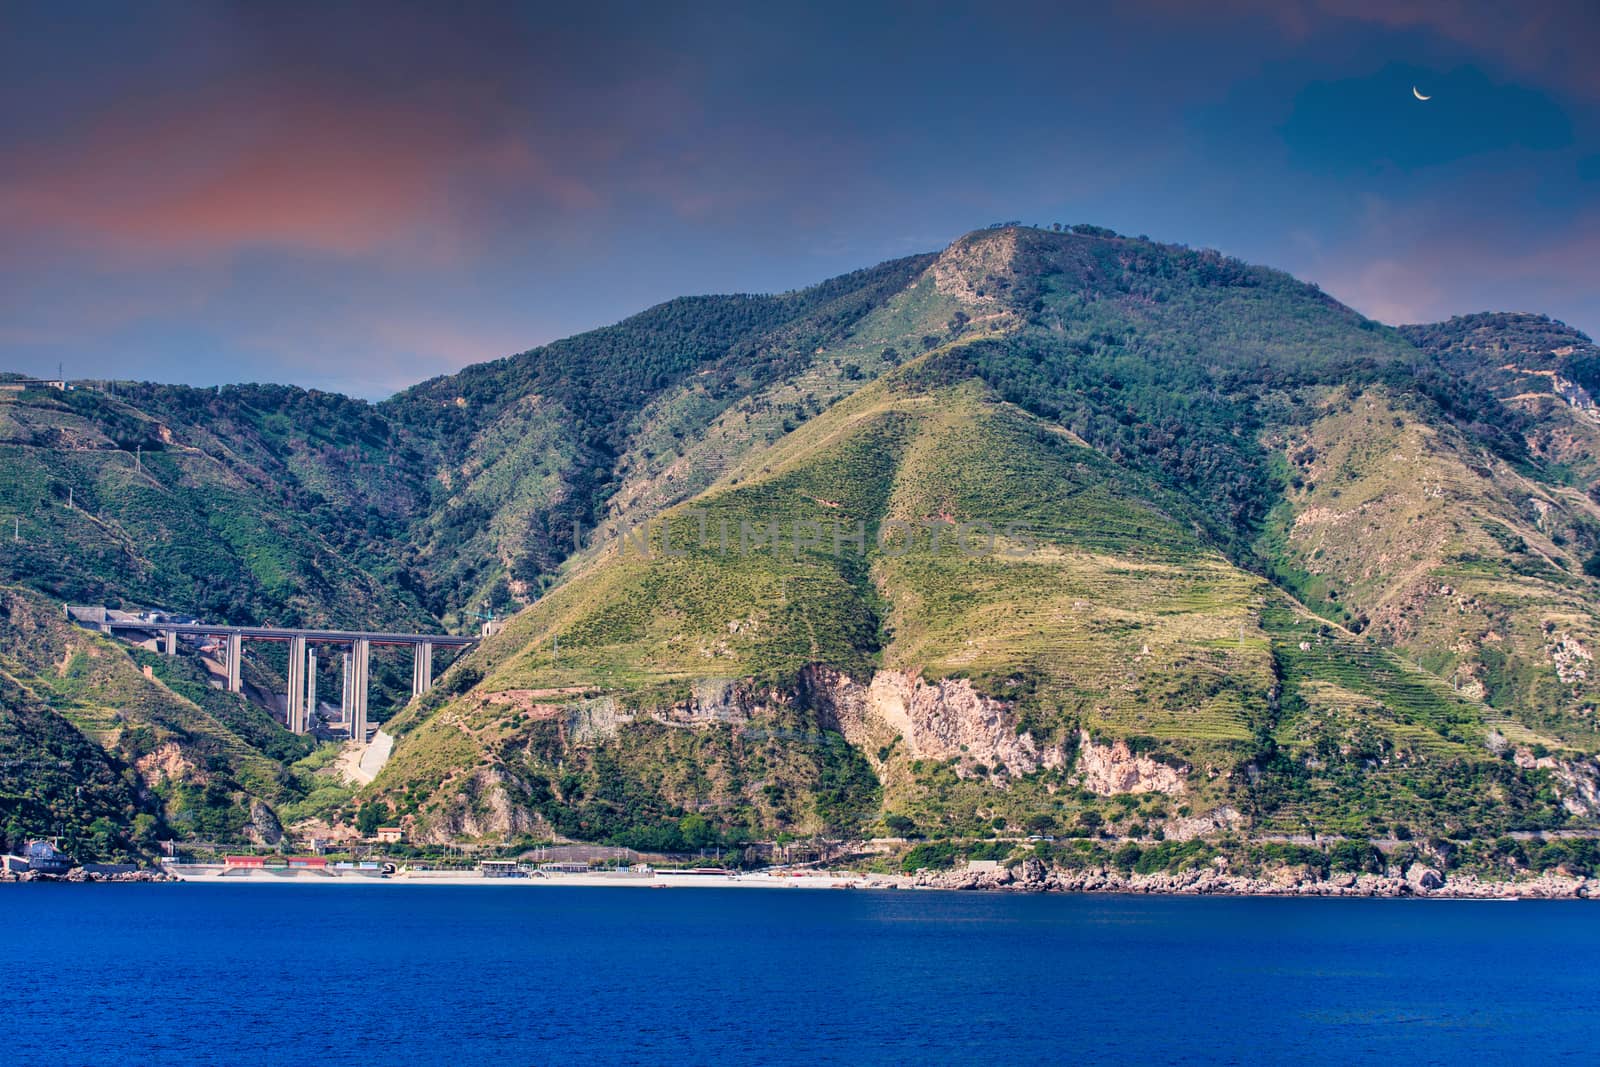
(466, 975)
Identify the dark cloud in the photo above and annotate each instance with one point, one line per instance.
(360, 195)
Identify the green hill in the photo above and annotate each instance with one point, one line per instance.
(249, 504)
(158, 752)
(527, 447)
(1216, 556)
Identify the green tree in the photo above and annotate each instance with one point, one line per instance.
(370, 817)
(698, 832)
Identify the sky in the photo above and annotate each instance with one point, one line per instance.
(358, 197)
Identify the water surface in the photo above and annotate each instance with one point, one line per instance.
(462, 975)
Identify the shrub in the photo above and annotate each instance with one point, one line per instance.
(1356, 857)
(934, 856)
(900, 825)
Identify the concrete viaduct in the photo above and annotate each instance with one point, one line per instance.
(302, 694)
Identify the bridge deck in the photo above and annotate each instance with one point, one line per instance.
(273, 633)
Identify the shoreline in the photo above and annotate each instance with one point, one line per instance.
(1423, 884)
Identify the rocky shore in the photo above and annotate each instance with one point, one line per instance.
(79, 876)
(1033, 876)
(1416, 881)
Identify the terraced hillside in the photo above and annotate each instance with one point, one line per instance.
(1544, 374)
(159, 752)
(1215, 555)
(1469, 563)
(733, 632)
(247, 504)
(1106, 648)
(529, 447)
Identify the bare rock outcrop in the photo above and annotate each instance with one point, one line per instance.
(977, 269)
(484, 806)
(947, 719)
(167, 763)
(263, 827)
(1572, 660)
(1423, 879)
(1115, 768)
(1187, 828)
(592, 721)
(1577, 781)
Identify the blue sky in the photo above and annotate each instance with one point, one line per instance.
(359, 198)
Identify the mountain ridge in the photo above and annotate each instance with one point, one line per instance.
(1367, 560)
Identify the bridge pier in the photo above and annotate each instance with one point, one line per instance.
(235, 663)
(295, 700)
(300, 703)
(345, 703)
(422, 668)
(360, 671)
(311, 685)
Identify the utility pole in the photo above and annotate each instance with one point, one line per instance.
(16, 528)
(138, 459)
(69, 497)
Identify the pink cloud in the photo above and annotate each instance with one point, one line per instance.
(1398, 271)
(297, 168)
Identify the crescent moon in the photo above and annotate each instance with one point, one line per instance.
(1418, 94)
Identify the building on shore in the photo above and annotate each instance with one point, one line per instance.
(499, 869)
(40, 856)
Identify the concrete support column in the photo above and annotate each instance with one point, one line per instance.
(346, 666)
(169, 642)
(360, 653)
(235, 663)
(422, 668)
(295, 701)
(311, 685)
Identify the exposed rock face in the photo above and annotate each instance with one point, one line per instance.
(1572, 660)
(947, 719)
(1423, 879)
(1187, 829)
(974, 270)
(712, 701)
(597, 720)
(1111, 769)
(1573, 393)
(168, 763)
(1577, 781)
(1292, 876)
(484, 807)
(263, 827)
(721, 700)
